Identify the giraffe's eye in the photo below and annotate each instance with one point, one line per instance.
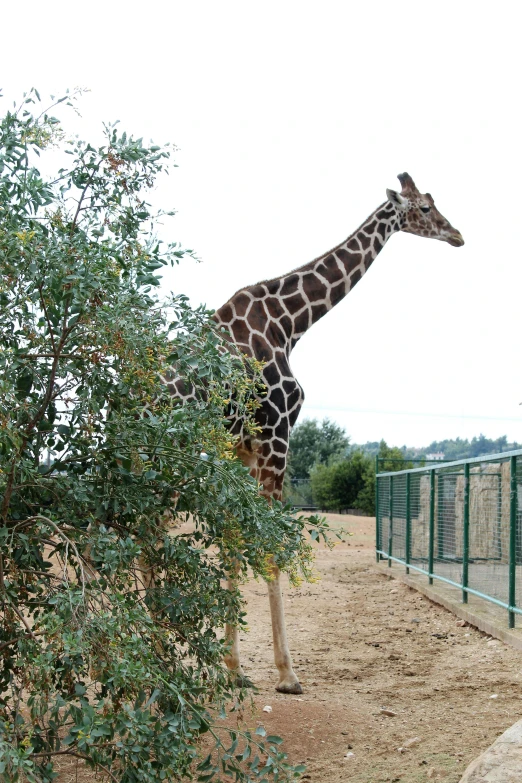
(425, 208)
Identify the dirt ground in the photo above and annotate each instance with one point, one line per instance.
(362, 642)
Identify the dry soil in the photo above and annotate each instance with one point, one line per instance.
(363, 643)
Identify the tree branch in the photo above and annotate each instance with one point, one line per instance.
(78, 756)
(22, 618)
(82, 196)
(12, 641)
(49, 325)
(67, 540)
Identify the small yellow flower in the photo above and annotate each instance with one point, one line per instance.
(25, 236)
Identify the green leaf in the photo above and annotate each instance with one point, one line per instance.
(154, 695)
(24, 382)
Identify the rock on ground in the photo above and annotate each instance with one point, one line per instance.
(501, 762)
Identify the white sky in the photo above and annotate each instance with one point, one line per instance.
(292, 118)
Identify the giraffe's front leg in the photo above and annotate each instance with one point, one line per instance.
(288, 682)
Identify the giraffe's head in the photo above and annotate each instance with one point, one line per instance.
(420, 216)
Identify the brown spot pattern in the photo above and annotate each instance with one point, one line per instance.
(266, 320)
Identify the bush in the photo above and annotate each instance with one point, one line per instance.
(344, 484)
(312, 443)
(121, 665)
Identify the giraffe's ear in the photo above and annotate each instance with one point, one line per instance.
(397, 199)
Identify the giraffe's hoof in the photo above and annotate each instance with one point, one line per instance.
(291, 687)
(244, 682)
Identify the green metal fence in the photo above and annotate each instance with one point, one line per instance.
(457, 522)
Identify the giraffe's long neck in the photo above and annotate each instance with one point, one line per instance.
(311, 291)
(284, 308)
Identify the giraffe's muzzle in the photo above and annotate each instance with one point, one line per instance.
(456, 239)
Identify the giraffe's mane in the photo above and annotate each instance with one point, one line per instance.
(309, 263)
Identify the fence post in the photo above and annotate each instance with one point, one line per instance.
(377, 530)
(390, 526)
(408, 521)
(512, 539)
(432, 525)
(465, 543)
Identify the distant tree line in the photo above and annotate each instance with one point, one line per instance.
(452, 449)
(325, 471)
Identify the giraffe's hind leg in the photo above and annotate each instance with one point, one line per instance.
(270, 474)
(271, 478)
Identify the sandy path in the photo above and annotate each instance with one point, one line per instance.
(362, 642)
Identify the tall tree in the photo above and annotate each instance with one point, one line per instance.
(111, 639)
(314, 443)
(391, 458)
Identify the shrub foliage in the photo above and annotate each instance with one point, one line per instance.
(346, 483)
(111, 639)
(315, 443)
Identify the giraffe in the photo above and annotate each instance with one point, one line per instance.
(266, 320)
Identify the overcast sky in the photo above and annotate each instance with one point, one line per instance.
(292, 118)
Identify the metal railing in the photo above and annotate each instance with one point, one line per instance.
(457, 522)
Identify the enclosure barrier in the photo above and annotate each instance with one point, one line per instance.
(459, 523)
